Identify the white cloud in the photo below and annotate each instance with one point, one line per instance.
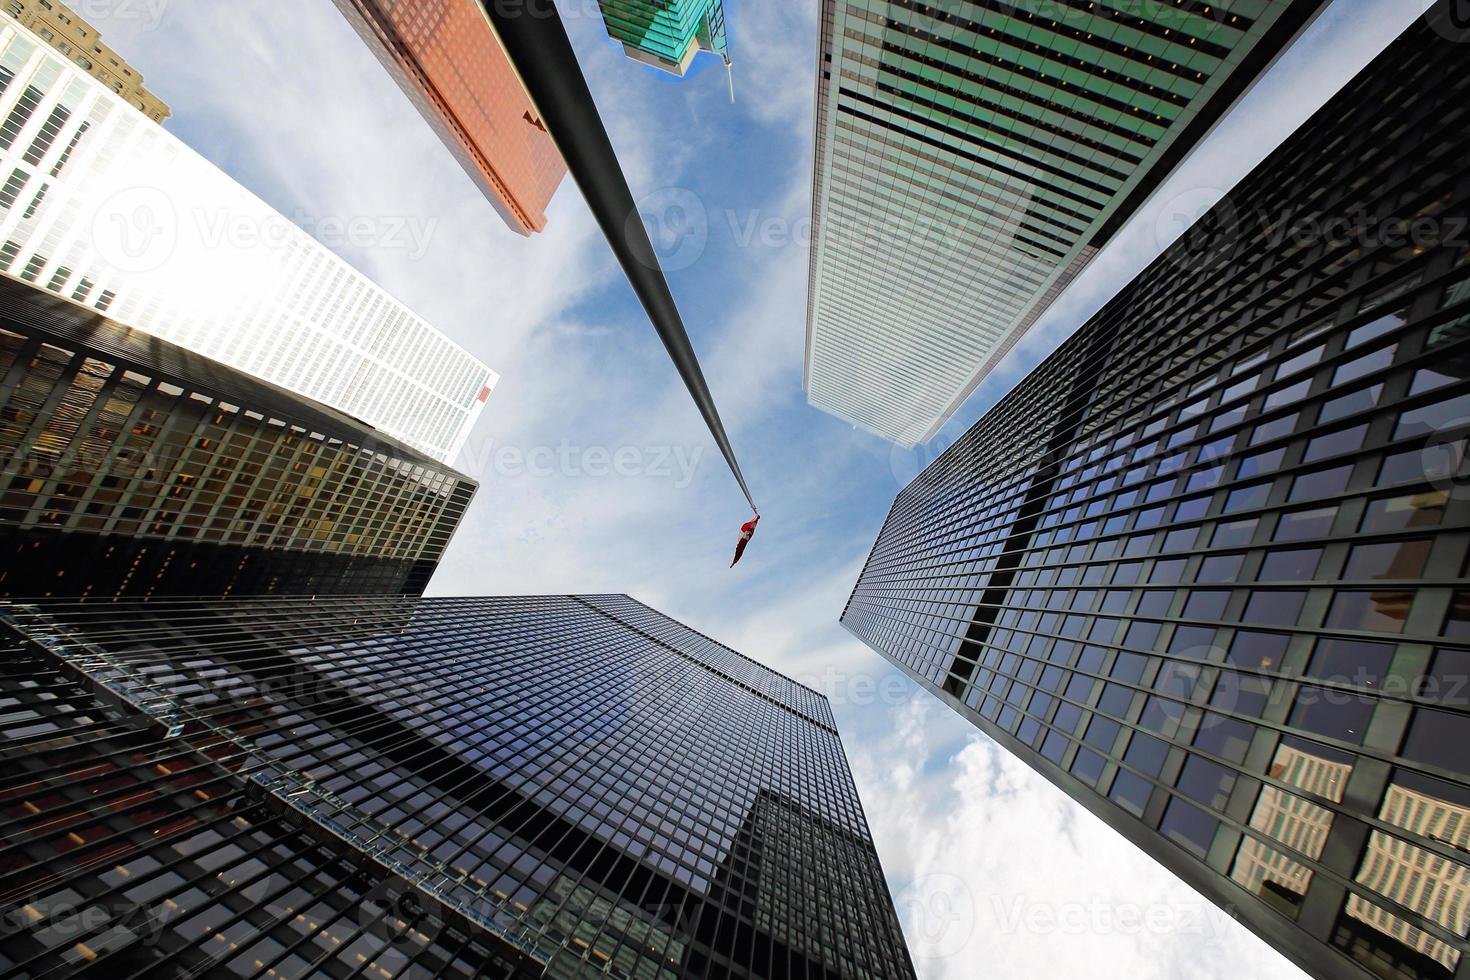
(1003, 876)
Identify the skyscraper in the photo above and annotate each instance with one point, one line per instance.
(667, 34)
(133, 467)
(971, 158)
(447, 60)
(73, 36)
(1205, 568)
(101, 204)
(521, 787)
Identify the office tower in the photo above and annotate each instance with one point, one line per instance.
(550, 786)
(102, 205)
(65, 30)
(447, 60)
(1205, 568)
(971, 158)
(130, 466)
(667, 34)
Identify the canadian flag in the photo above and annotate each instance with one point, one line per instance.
(747, 531)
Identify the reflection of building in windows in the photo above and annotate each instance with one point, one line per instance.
(1295, 822)
(1435, 886)
(1200, 568)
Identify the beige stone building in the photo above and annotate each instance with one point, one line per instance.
(65, 30)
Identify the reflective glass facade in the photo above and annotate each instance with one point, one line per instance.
(519, 787)
(972, 157)
(448, 61)
(667, 34)
(100, 204)
(129, 466)
(1205, 568)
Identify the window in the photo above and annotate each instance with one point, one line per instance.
(1206, 782)
(1253, 648)
(1404, 513)
(1274, 608)
(1291, 565)
(1438, 738)
(1383, 612)
(1391, 560)
(1304, 524)
(1228, 738)
(1335, 714)
(1323, 483)
(1188, 826)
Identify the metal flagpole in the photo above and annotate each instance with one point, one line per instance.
(534, 38)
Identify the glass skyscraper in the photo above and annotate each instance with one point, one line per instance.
(1205, 568)
(446, 58)
(667, 34)
(518, 787)
(971, 158)
(130, 466)
(100, 204)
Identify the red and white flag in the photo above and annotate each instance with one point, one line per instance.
(747, 531)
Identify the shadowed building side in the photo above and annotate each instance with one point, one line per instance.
(133, 467)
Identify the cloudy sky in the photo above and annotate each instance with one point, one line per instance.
(996, 873)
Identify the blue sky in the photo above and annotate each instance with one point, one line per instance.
(597, 474)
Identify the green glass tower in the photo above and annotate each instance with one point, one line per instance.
(667, 34)
(971, 158)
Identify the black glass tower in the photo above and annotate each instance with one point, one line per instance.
(1205, 568)
(130, 466)
(391, 786)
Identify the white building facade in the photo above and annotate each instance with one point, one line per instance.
(102, 205)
